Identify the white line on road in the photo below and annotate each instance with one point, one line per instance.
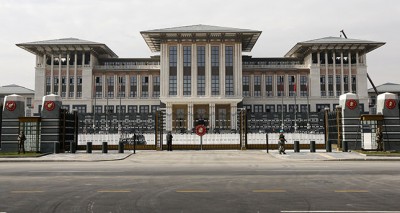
(341, 211)
(72, 171)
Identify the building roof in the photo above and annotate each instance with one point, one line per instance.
(302, 48)
(15, 89)
(66, 44)
(248, 37)
(386, 87)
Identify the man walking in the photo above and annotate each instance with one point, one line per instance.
(21, 142)
(281, 142)
(169, 141)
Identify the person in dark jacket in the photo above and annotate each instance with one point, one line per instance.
(21, 142)
(169, 141)
(281, 143)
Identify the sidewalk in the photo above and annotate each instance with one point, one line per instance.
(322, 155)
(79, 156)
(113, 155)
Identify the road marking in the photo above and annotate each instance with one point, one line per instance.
(326, 155)
(113, 191)
(192, 191)
(341, 211)
(32, 191)
(75, 171)
(351, 191)
(269, 191)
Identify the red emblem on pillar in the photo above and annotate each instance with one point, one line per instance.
(49, 105)
(351, 104)
(390, 103)
(11, 105)
(201, 130)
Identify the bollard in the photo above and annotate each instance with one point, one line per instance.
(345, 147)
(266, 141)
(312, 146)
(104, 148)
(120, 147)
(89, 147)
(328, 146)
(296, 146)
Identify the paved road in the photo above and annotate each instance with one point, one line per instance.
(200, 181)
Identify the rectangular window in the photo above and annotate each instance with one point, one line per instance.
(121, 86)
(246, 86)
(346, 83)
(98, 109)
(108, 109)
(28, 102)
(123, 109)
(293, 108)
(48, 85)
(79, 108)
(201, 85)
(338, 86)
(55, 87)
(303, 86)
(79, 87)
(280, 84)
(330, 85)
(229, 85)
(321, 107)
(279, 108)
(292, 85)
(145, 86)
(258, 108)
(187, 56)
(154, 108)
(268, 86)
(322, 86)
(99, 86)
(187, 85)
(304, 108)
(215, 56)
(172, 56)
(133, 86)
(156, 86)
(257, 86)
(71, 87)
(215, 85)
(132, 109)
(269, 108)
(64, 86)
(110, 86)
(144, 109)
(201, 56)
(229, 56)
(354, 83)
(172, 85)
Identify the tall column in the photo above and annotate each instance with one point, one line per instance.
(179, 67)
(341, 74)
(83, 59)
(251, 85)
(67, 78)
(190, 116)
(326, 74)
(350, 86)
(222, 70)
(104, 85)
(319, 58)
(52, 75)
(334, 74)
(208, 70)
(139, 86)
(116, 86)
(212, 115)
(59, 75)
(263, 87)
(127, 86)
(233, 116)
(150, 86)
(75, 74)
(169, 117)
(194, 70)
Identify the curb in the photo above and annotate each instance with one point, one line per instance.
(63, 160)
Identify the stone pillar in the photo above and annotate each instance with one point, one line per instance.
(350, 120)
(13, 108)
(388, 106)
(50, 125)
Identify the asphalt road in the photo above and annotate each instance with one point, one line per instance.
(200, 181)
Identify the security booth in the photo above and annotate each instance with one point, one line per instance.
(31, 127)
(369, 128)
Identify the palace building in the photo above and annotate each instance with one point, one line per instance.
(200, 72)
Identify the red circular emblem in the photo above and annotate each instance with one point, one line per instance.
(390, 103)
(49, 105)
(201, 130)
(351, 104)
(11, 105)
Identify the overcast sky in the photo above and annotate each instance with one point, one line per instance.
(117, 23)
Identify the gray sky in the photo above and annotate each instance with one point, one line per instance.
(117, 23)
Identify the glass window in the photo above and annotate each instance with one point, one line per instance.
(280, 83)
(229, 85)
(55, 87)
(133, 86)
(201, 56)
(79, 108)
(121, 86)
(257, 86)
(215, 85)
(144, 109)
(48, 85)
(71, 87)
(322, 86)
(79, 87)
(187, 56)
(321, 107)
(229, 56)
(145, 86)
(172, 85)
(338, 85)
(187, 84)
(268, 86)
(269, 108)
(201, 85)
(303, 86)
(354, 83)
(215, 56)
(172, 56)
(132, 109)
(258, 108)
(246, 86)
(292, 85)
(98, 87)
(156, 86)
(110, 86)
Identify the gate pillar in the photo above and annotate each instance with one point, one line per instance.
(50, 131)
(14, 107)
(388, 106)
(351, 112)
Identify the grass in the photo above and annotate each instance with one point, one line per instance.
(21, 155)
(387, 153)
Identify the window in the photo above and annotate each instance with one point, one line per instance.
(79, 108)
(258, 108)
(172, 56)
(330, 85)
(338, 86)
(214, 70)
(154, 108)
(229, 85)
(215, 85)
(108, 109)
(172, 85)
(121, 86)
(229, 56)
(201, 85)
(133, 86)
(55, 87)
(246, 86)
(215, 56)
(98, 109)
(304, 108)
(303, 86)
(132, 109)
(99, 87)
(63, 86)
(269, 108)
(293, 108)
(257, 86)
(144, 109)
(145, 86)
(321, 107)
(156, 86)
(346, 83)
(354, 83)
(79, 87)
(279, 108)
(201, 82)
(28, 102)
(268, 86)
(48, 85)
(201, 56)
(187, 56)
(110, 86)
(187, 84)
(71, 87)
(280, 83)
(123, 109)
(292, 85)
(322, 86)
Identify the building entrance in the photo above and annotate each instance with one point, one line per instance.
(31, 128)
